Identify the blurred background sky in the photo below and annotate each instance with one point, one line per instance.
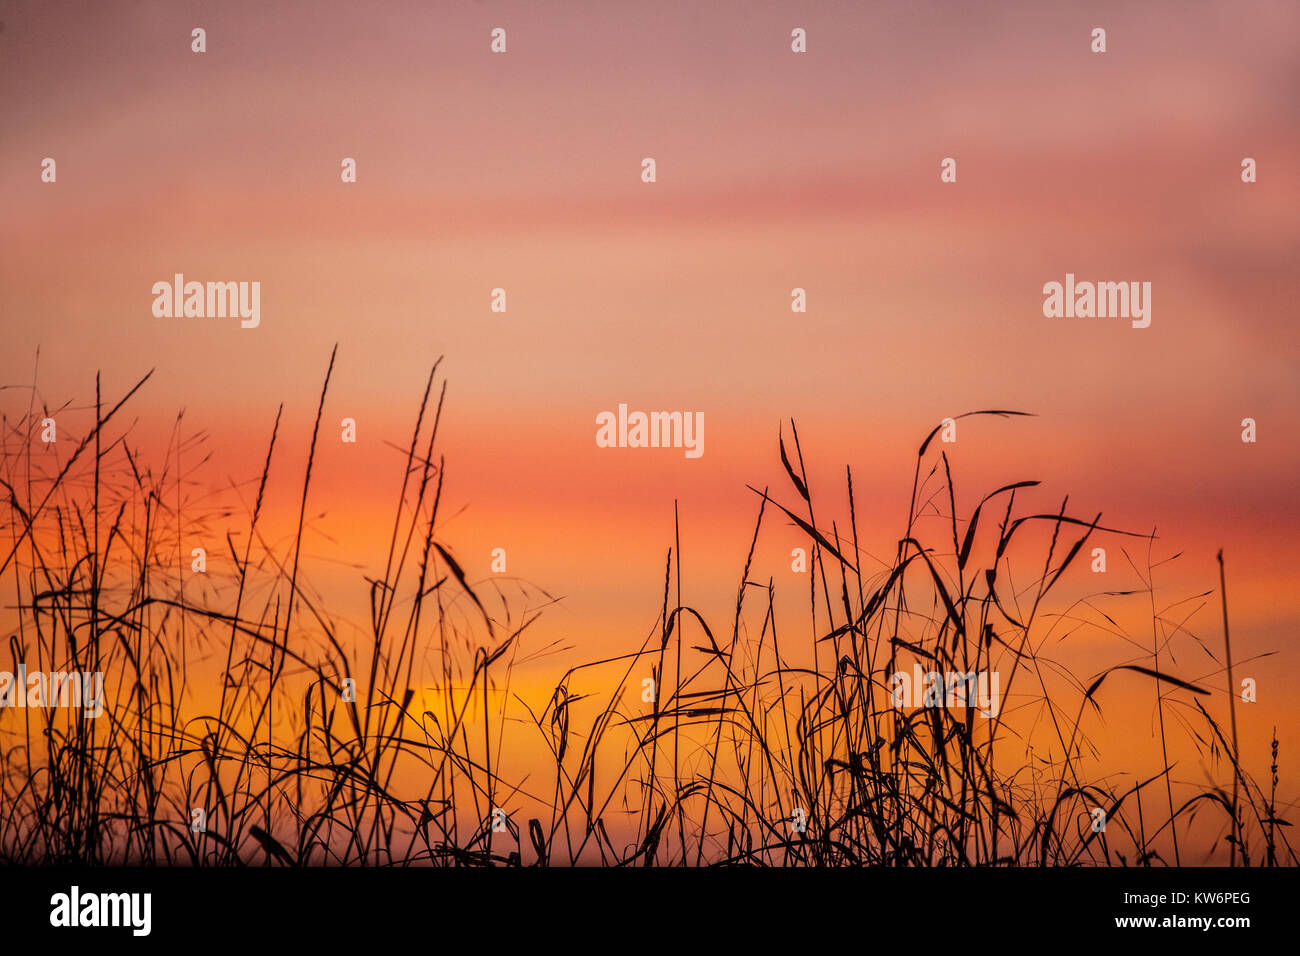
(775, 170)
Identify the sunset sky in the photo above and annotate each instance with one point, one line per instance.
(774, 171)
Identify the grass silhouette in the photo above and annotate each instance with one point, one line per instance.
(307, 754)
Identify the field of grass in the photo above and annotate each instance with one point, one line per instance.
(754, 747)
